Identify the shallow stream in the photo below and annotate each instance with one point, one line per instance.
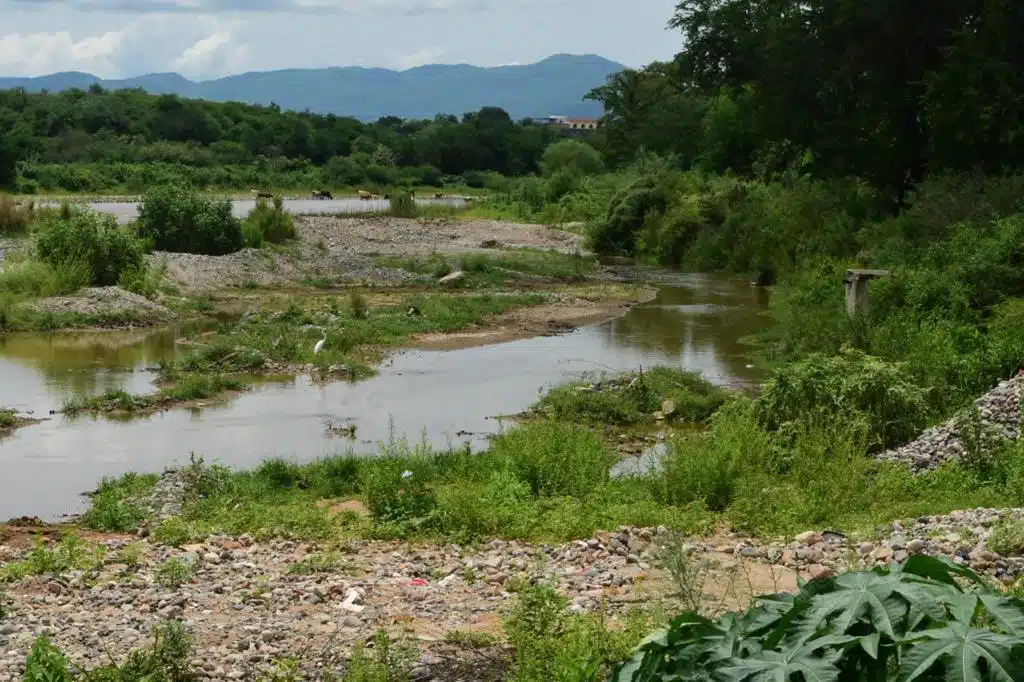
(696, 322)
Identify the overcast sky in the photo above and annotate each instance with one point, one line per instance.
(210, 38)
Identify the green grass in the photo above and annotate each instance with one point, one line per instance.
(487, 270)
(115, 504)
(355, 330)
(189, 387)
(634, 398)
(8, 418)
(70, 554)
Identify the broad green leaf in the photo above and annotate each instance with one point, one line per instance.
(1007, 611)
(940, 569)
(869, 644)
(861, 595)
(781, 666)
(960, 649)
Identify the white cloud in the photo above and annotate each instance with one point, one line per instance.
(197, 49)
(214, 55)
(425, 56)
(316, 6)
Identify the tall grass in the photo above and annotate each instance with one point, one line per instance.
(14, 218)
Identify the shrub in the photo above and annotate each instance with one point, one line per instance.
(634, 398)
(402, 205)
(617, 233)
(89, 248)
(553, 458)
(909, 621)
(177, 219)
(268, 223)
(849, 386)
(575, 156)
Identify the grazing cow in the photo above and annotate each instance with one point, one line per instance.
(439, 195)
(322, 194)
(262, 194)
(364, 195)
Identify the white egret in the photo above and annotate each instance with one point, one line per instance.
(320, 344)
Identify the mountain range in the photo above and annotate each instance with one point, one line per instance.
(553, 86)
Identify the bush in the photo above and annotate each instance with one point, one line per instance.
(849, 386)
(575, 156)
(634, 398)
(268, 223)
(402, 205)
(177, 219)
(617, 233)
(909, 621)
(89, 248)
(554, 459)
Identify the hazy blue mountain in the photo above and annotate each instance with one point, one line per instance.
(553, 86)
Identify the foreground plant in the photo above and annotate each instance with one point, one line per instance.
(910, 621)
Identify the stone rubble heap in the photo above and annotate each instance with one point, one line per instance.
(1000, 408)
(960, 536)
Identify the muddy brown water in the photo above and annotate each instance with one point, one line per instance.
(695, 322)
(126, 211)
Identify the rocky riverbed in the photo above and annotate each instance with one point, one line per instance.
(248, 603)
(1000, 412)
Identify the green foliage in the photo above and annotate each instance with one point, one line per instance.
(268, 223)
(87, 248)
(71, 553)
(634, 398)
(46, 663)
(8, 418)
(626, 215)
(129, 140)
(575, 157)
(114, 507)
(402, 205)
(1008, 538)
(909, 621)
(14, 218)
(166, 660)
(848, 387)
(176, 219)
(174, 573)
(188, 387)
(552, 645)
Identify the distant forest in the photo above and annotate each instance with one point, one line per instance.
(120, 129)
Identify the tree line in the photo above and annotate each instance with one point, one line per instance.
(133, 127)
(873, 89)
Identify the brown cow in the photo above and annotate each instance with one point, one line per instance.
(364, 195)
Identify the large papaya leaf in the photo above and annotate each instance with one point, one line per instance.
(870, 596)
(966, 654)
(1008, 612)
(815, 661)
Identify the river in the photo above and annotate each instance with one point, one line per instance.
(695, 322)
(126, 211)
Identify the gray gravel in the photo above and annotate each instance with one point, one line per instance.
(1000, 411)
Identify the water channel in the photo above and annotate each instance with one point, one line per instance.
(695, 322)
(126, 211)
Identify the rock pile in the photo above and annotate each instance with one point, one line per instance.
(1000, 411)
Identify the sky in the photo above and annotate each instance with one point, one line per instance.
(203, 39)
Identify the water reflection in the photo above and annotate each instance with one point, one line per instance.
(695, 323)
